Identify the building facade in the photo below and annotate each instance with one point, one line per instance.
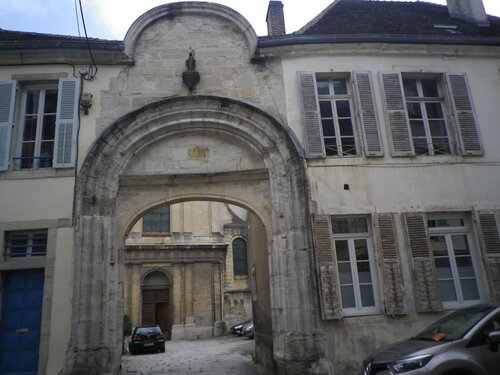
(363, 147)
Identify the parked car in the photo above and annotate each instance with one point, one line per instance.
(248, 330)
(237, 328)
(465, 342)
(146, 339)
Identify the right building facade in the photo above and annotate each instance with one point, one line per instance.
(397, 107)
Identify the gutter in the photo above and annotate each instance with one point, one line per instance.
(61, 45)
(294, 39)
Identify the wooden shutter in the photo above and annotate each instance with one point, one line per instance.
(394, 294)
(67, 123)
(424, 271)
(397, 116)
(7, 105)
(311, 121)
(327, 268)
(369, 124)
(463, 112)
(490, 241)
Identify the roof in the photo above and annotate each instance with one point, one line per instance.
(420, 18)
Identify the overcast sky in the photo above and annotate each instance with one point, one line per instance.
(110, 19)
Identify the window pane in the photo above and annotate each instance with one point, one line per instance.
(345, 275)
(49, 127)
(331, 146)
(240, 267)
(367, 297)
(347, 293)
(348, 146)
(325, 108)
(29, 133)
(345, 126)
(350, 225)
(39, 244)
(460, 244)
(364, 274)
(447, 290)
(410, 87)
(343, 108)
(414, 110)
(443, 268)
(328, 128)
(469, 289)
(342, 248)
(17, 245)
(340, 86)
(430, 88)
(46, 154)
(361, 248)
(50, 101)
(434, 110)
(323, 88)
(438, 246)
(157, 221)
(436, 223)
(421, 146)
(438, 128)
(417, 128)
(441, 146)
(32, 99)
(465, 267)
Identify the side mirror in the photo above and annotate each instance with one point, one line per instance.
(494, 336)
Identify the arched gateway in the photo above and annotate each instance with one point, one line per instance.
(182, 148)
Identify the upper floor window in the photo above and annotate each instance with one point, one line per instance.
(25, 243)
(330, 105)
(416, 111)
(355, 264)
(424, 103)
(240, 262)
(157, 221)
(335, 104)
(38, 119)
(42, 128)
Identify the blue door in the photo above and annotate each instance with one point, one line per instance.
(20, 322)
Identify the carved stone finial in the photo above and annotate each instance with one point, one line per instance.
(191, 77)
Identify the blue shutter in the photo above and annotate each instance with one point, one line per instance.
(67, 123)
(7, 104)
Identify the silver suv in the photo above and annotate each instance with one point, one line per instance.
(465, 342)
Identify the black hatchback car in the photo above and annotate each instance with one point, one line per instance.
(147, 339)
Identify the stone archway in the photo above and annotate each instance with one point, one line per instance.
(183, 148)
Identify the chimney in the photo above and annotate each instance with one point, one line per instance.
(468, 10)
(275, 19)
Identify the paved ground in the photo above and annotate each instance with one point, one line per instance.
(216, 356)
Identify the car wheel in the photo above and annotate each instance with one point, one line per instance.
(162, 350)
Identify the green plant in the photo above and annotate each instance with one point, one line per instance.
(127, 325)
(256, 359)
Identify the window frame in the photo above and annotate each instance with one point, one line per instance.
(240, 275)
(422, 100)
(31, 235)
(351, 237)
(18, 159)
(332, 97)
(448, 232)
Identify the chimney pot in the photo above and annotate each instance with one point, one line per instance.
(275, 19)
(468, 10)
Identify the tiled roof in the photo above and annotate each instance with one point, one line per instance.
(394, 18)
(21, 36)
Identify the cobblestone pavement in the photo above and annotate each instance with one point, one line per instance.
(216, 356)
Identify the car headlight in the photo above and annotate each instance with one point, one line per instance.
(409, 364)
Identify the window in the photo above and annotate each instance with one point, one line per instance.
(335, 104)
(38, 125)
(416, 112)
(240, 264)
(157, 221)
(45, 127)
(424, 103)
(26, 244)
(355, 265)
(453, 258)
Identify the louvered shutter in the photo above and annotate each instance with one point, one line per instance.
(397, 116)
(424, 271)
(490, 240)
(67, 123)
(311, 121)
(369, 124)
(394, 294)
(7, 105)
(327, 268)
(463, 112)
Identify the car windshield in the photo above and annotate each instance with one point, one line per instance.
(455, 325)
(147, 330)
